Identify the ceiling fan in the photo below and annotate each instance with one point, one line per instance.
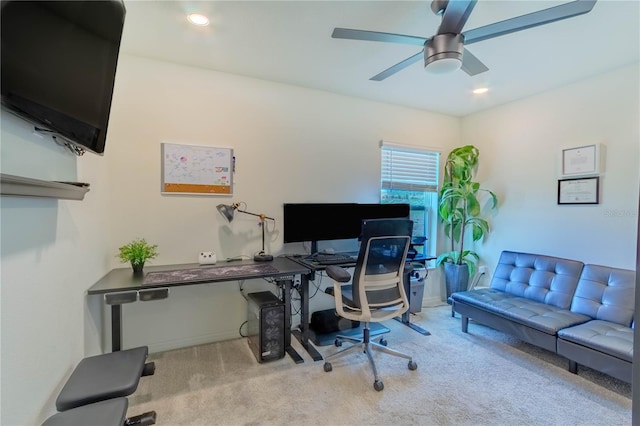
(445, 51)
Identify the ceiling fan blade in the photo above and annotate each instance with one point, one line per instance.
(472, 65)
(377, 36)
(530, 20)
(455, 16)
(398, 67)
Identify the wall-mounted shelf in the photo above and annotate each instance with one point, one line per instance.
(18, 186)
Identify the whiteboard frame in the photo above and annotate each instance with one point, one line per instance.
(197, 188)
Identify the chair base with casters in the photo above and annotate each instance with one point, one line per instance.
(366, 345)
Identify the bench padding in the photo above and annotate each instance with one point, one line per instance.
(111, 412)
(103, 377)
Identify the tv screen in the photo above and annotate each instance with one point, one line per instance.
(58, 65)
(334, 221)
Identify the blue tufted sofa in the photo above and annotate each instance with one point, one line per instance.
(582, 312)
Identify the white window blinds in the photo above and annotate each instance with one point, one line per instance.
(409, 169)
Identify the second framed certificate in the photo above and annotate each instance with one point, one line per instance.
(579, 191)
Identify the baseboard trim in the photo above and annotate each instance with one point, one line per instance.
(429, 302)
(192, 341)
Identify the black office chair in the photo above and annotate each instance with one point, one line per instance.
(377, 293)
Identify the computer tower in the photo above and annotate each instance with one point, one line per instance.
(265, 326)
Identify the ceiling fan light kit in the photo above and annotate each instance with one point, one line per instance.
(443, 53)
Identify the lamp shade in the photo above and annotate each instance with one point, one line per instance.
(227, 211)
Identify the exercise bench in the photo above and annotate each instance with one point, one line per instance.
(96, 391)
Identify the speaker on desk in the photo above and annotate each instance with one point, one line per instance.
(265, 325)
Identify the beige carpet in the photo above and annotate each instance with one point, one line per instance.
(481, 378)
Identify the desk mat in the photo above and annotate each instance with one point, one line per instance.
(205, 273)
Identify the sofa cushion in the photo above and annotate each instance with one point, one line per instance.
(543, 317)
(604, 336)
(544, 279)
(606, 294)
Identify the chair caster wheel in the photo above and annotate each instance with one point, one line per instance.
(383, 342)
(378, 385)
(327, 367)
(412, 365)
(338, 342)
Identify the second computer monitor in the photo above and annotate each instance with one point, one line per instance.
(334, 221)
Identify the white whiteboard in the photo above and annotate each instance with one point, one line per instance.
(191, 169)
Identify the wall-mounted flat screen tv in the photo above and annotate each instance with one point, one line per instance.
(59, 63)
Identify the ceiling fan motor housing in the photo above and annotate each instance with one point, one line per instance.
(443, 53)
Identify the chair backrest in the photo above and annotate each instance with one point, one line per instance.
(378, 274)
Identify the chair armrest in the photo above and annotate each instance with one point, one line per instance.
(338, 273)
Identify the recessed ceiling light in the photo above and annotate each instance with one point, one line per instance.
(198, 19)
(480, 90)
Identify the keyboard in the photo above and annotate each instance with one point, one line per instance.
(333, 259)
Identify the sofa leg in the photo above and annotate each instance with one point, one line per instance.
(573, 367)
(464, 322)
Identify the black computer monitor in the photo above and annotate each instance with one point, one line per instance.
(334, 221)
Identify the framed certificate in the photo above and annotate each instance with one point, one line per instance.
(582, 160)
(579, 191)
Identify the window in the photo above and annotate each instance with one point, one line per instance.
(410, 175)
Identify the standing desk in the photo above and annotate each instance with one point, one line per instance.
(121, 286)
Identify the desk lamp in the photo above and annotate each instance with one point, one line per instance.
(228, 211)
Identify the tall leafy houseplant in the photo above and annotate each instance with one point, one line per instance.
(460, 210)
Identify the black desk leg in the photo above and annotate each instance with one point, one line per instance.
(286, 299)
(406, 317)
(116, 300)
(303, 334)
(412, 326)
(116, 328)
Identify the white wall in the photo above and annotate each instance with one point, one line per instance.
(52, 251)
(291, 145)
(520, 144)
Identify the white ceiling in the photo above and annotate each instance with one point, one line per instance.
(290, 42)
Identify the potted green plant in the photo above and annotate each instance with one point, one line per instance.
(137, 252)
(460, 209)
